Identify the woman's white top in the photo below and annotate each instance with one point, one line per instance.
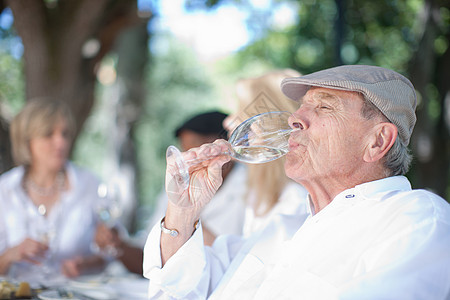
(70, 224)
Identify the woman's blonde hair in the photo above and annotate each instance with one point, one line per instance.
(37, 118)
(259, 95)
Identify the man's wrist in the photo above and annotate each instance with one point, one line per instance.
(174, 232)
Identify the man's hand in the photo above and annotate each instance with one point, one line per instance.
(205, 178)
(185, 205)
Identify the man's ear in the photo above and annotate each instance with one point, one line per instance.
(380, 140)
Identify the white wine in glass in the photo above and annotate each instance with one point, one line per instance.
(259, 139)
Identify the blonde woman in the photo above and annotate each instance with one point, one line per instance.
(46, 203)
(270, 192)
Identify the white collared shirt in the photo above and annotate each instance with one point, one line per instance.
(379, 240)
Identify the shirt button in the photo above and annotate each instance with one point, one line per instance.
(350, 196)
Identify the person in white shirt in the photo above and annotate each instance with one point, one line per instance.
(47, 204)
(369, 235)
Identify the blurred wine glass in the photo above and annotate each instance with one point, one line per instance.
(47, 234)
(108, 209)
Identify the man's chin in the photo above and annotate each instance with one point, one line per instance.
(293, 165)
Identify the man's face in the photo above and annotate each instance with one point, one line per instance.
(332, 136)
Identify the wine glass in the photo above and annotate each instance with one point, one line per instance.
(47, 234)
(259, 139)
(108, 209)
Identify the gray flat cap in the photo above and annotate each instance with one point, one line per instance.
(392, 93)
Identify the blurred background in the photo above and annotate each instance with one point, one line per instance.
(132, 71)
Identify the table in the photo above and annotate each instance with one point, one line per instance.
(108, 285)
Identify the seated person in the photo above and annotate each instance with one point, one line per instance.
(225, 214)
(368, 235)
(47, 214)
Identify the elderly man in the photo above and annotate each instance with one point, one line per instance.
(368, 236)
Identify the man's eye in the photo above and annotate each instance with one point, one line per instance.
(326, 107)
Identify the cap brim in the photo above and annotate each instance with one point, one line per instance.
(295, 88)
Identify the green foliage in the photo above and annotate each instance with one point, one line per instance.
(271, 51)
(434, 109)
(12, 86)
(381, 33)
(91, 145)
(12, 93)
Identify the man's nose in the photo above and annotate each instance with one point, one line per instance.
(295, 122)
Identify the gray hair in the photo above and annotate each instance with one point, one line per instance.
(399, 158)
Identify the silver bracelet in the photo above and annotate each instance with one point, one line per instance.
(174, 232)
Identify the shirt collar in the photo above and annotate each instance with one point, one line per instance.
(310, 207)
(377, 189)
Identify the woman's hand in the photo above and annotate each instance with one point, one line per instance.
(73, 267)
(79, 265)
(107, 237)
(29, 250)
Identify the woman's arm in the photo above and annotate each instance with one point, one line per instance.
(131, 256)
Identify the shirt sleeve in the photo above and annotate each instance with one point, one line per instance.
(191, 273)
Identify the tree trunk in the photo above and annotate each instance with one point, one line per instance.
(339, 29)
(430, 141)
(6, 161)
(54, 34)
